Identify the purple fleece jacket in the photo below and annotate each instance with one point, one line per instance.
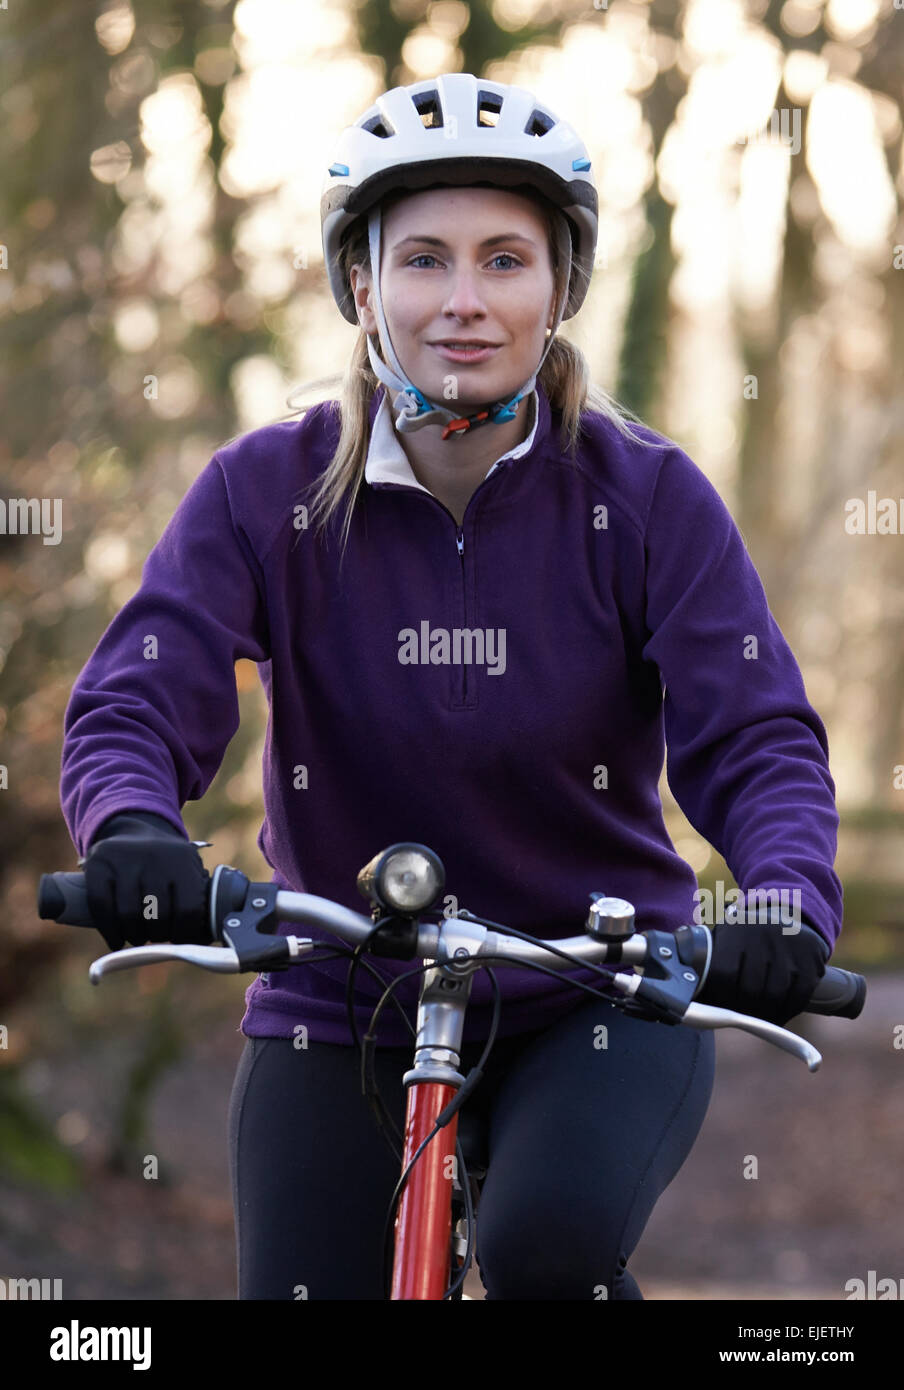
(613, 612)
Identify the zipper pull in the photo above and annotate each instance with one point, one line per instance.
(460, 542)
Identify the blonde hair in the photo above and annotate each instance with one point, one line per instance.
(564, 376)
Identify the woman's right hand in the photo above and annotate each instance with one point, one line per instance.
(146, 883)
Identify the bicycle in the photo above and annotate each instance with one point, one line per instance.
(439, 1188)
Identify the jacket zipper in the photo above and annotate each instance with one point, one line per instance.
(458, 701)
(460, 542)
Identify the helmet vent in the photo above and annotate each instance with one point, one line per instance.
(377, 126)
(428, 108)
(539, 123)
(489, 106)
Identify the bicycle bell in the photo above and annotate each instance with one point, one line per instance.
(610, 919)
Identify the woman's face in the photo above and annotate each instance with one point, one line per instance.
(459, 264)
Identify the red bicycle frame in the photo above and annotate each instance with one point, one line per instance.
(423, 1227)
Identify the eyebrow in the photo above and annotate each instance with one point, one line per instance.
(489, 241)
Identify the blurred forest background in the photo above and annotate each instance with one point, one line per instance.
(162, 289)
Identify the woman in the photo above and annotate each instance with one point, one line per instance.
(474, 632)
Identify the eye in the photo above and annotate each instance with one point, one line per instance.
(500, 256)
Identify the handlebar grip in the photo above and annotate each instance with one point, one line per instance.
(839, 992)
(62, 897)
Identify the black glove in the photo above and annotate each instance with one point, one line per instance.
(762, 970)
(136, 854)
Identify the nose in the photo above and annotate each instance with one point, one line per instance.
(464, 299)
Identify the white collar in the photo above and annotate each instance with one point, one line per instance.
(387, 461)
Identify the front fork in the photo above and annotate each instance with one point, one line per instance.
(423, 1228)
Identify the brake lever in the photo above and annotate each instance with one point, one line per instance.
(709, 1016)
(220, 958)
(665, 1010)
(225, 960)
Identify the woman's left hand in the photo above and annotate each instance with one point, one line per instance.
(766, 971)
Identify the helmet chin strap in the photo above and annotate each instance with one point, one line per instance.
(412, 409)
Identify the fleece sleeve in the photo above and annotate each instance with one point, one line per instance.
(747, 755)
(152, 713)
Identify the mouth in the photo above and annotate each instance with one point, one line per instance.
(464, 351)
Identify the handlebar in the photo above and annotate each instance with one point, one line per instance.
(244, 915)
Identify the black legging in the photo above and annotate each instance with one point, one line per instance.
(581, 1140)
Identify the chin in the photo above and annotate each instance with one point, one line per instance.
(476, 386)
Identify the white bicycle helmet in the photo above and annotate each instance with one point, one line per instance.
(456, 129)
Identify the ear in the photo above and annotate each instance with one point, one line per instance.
(360, 288)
